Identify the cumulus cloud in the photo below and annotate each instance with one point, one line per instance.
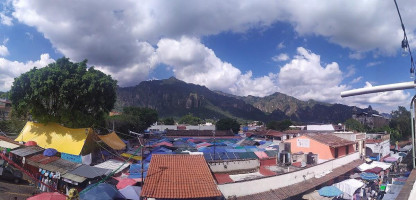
(193, 62)
(281, 45)
(3, 50)
(357, 55)
(280, 57)
(11, 69)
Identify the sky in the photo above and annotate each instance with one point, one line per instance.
(305, 49)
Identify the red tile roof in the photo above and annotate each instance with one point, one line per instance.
(329, 139)
(223, 178)
(266, 172)
(178, 177)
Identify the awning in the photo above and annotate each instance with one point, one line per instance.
(8, 145)
(26, 151)
(127, 155)
(62, 166)
(113, 165)
(73, 177)
(349, 186)
(373, 164)
(113, 141)
(89, 171)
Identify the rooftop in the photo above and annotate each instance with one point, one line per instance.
(329, 139)
(198, 133)
(172, 176)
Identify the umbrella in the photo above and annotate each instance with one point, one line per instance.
(374, 170)
(390, 159)
(102, 191)
(30, 143)
(125, 182)
(131, 192)
(368, 176)
(50, 152)
(329, 191)
(48, 196)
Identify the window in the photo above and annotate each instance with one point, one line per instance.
(336, 152)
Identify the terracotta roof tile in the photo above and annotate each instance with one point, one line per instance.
(223, 178)
(179, 176)
(329, 139)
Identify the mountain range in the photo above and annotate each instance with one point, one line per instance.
(174, 98)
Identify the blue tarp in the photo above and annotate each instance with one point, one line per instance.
(136, 170)
(368, 176)
(102, 191)
(329, 191)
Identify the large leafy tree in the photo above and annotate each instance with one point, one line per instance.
(134, 119)
(228, 124)
(279, 125)
(400, 121)
(354, 125)
(190, 119)
(64, 92)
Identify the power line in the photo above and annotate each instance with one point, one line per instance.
(405, 42)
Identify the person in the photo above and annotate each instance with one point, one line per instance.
(380, 195)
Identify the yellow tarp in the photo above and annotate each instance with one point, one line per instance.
(113, 141)
(127, 155)
(52, 135)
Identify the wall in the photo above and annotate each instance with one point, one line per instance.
(274, 182)
(315, 147)
(382, 147)
(241, 165)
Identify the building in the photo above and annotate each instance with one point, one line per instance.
(327, 146)
(359, 138)
(179, 176)
(323, 127)
(5, 108)
(198, 133)
(377, 145)
(371, 120)
(161, 127)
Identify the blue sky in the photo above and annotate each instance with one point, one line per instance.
(309, 50)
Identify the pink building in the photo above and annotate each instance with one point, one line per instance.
(327, 146)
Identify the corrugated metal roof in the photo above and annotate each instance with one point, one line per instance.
(73, 177)
(8, 145)
(113, 165)
(89, 171)
(27, 151)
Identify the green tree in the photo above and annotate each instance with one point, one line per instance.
(168, 121)
(64, 92)
(279, 125)
(134, 119)
(400, 121)
(354, 125)
(227, 124)
(190, 119)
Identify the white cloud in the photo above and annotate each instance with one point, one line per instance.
(11, 69)
(6, 20)
(305, 78)
(357, 55)
(280, 57)
(371, 64)
(281, 45)
(29, 35)
(350, 71)
(192, 62)
(356, 80)
(3, 50)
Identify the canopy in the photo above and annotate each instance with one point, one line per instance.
(373, 164)
(368, 176)
(113, 141)
(122, 183)
(8, 145)
(30, 143)
(50, 152)
(390, 159)
(375, 170)
(349, 186)
(102, 191)
(131, 192)
(53, 135)
(329, 191)
(315, 196)
(48, 196)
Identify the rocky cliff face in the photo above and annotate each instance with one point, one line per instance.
(174, 98)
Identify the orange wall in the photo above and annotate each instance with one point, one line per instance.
(324, 151)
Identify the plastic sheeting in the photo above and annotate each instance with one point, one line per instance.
(349, 186)
(131, 192)
(113, 141)
(8, 145)
(366, 166)
(113, 165)
(55, 136)
(102, 191)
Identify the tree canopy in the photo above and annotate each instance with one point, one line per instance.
(400, 121)
(64, 92)
(354, 125)
(279, 125)
(168, 121)
(134, 119)
(227, 124)
(190, 119)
